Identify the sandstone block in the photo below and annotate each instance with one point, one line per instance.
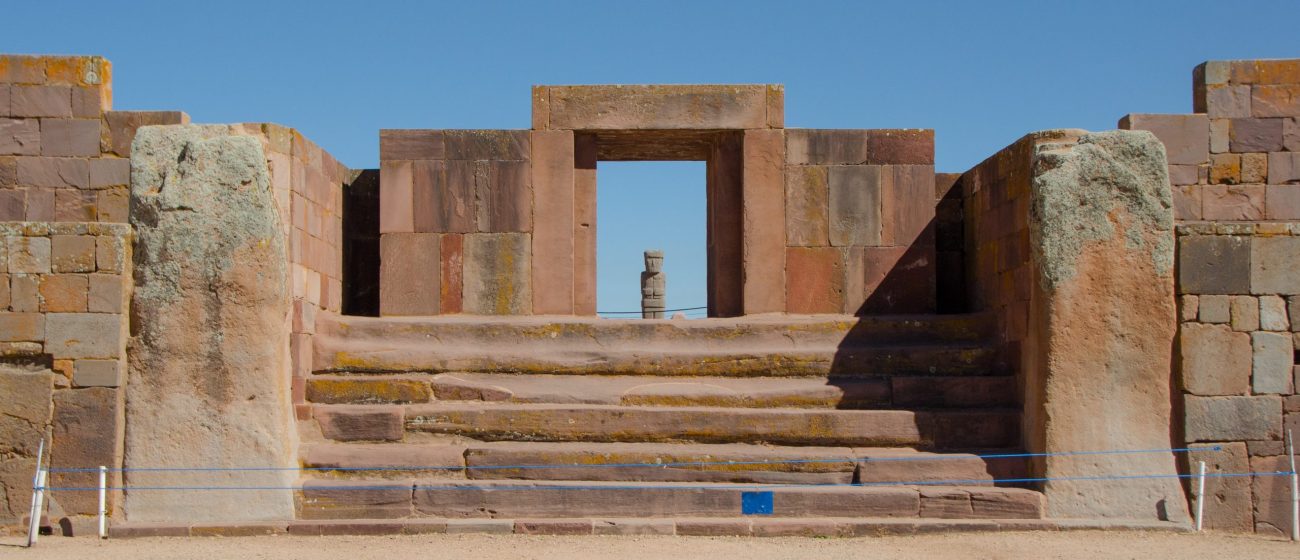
(854, 205)
(1275, 100)
(64, 293)
(553, 223)
(89, 102)
(40, 101)
(1220, 135)
(1273, 262)
(4, 100)
(702, 107)
(410, 145)
(1255, 135)
(87, 433)
(98, 373)
(408, 274)
(396, 197)
(120, 127)
(368, 424)
(1232, 418)
(484, 526)
(113, 205)
(806, 206)
(1186, 137)
(1227, 101)
(1225, 169)
(907, 211)
(1214, 360)
(1283, 202)
(74, 206)
(1283, 167)
(1233, 202)
(1228, 501)
(110, 253)
(20, 137)
(634, 527)
(1214, 309)
(53, 172)
(497, 278)
(553, 527)
(40, 204)
(27, 412)
(504, 196)
(24, 292)
(70, 137)
(211, 318)
(28, 254)
(763, 221)
(1293, 310)
(72, 253)
(814, 280)
(1254, 168)
(1272, 314)
(367, 391)
(1273, 358)
(1214, 264)
(1291, 134)
(83, 335)
(106, 294)
(22, 327)
(110, 172)
(898, 279)
(1271, 495)
(1245, 313)
(480, 145)
(347, 499)
(1184, 175)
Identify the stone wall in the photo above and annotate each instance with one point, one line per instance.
(64, 289)
(62, 149)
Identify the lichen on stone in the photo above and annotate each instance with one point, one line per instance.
(1084, 192)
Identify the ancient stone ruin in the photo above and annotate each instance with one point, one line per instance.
(416, 348)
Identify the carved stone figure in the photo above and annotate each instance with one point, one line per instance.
(654, 283)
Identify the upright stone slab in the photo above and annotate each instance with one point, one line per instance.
(209, 358)
(1098, 373)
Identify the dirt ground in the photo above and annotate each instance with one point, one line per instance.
(1000, 546)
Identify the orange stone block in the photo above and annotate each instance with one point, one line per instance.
(814, 280)
(64, 293)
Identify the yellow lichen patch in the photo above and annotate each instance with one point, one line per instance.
(367, 391)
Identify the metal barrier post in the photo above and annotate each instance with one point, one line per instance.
(1200, 497)
(38, 493)
(103, 502)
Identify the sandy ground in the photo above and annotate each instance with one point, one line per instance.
(1001, 546)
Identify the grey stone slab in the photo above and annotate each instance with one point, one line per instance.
(854, 205)
(1232, 418)
(1271, 365)
(1214, 264)
(1273, 265)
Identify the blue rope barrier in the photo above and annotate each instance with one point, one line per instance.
(457, 485)
(951, 457)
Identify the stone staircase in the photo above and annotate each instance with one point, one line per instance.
(547, 418)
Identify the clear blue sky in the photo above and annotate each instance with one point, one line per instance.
(980, 73)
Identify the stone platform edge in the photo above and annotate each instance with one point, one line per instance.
(718, 527)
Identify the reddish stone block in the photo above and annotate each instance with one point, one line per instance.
(22, 69)
(584, 224)
(53, 172)
(373, 423)
(1255, 135)
(22, 327)
(410, 145)
(814, 280)
(1272, 495)
(88, 102)
(496, 145)
(113, 205)
(907, 204)
(84, 335)
(107, 294)
(1254, 168)
(64, 293)
(505, 197)
(854, 203)
(775, 106)
(20, 137)
(8, 172)
(1186, 137)
(443, 196)
(350, 499)
(40, 101)
(4, 99)
(110, 172)
(74, 206)
(1281, 100)
(1187, 202)
(1291, 134)
(408, 274)
(553, 527)
(119, 127)
(1233, 202)
(452, 272)
(857, 147)
(13, 205)
(496, 274)
(714, 527)
(899, 279)
(698, 107)
(40, 205)
(1185, 174)
(763, 196)
(807, 205)
(72, 253)
(86, 434)
(1282, 202)
(1279, 71)
(1283, 167)
(553, 222)
(1227, 101)
(397, 205)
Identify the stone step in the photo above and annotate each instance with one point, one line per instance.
(761, 392)
(926, 429)
(397, 499)
(655, 462)
(776, 345)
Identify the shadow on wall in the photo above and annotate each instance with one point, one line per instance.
(361, 244)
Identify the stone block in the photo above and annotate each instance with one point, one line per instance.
(408, 274)
(553, 223)
(484, 526)
(348, 499)
(443, 196)
(1227, 101)
(40, 205)
(1273, 262)
(1214, 360)
(22, 327)
(634, 526)
(87, 433)
(20, 137)
(70, 137)
(859, 147)
(1254, 168)
(1232, 418)
(1225, 169)
(1255, 135)
(113, 205)
(504, 197)
(1275, 100)
(396, 203)
(28, 254)
(480, 145)
(1214, 264)
(763, 221)
(1272, 314)
(106, 294)
(1220, 134)
(1273, 359)
(1282, 202)
(1283, 167)
(74, 206)
(699, 107)
(72, 253)
(98, 373)
(1232, 202)
(452, 255)
(367, 391)
(1291, 134)
(40, 101)
(110, 253)
(553, 527)
(1271, 495)
(110, 172)
(1214, 309)
(64, 293)
(89, 102)
(120, 127)
(854, 205)
(1245, 313)
(375, 423)
(807, 205)
(83, 335)
(1181, 175)
(410, 145)
(1227, 498)
(53, 172)
(898, 279)
(907, 209)
(1186, 137)
(814, 280)
(497, 278)
(1293, 310)
(24, 293)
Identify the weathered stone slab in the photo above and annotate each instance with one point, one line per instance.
(1227, 498)
(553, 223)
(1186, 137)
(1272, 363)
(84, 335)
(704, 107)
(815, 279)
(1232, 418)
(1271, 495)
(1273, 265)
(86, 430)
(806, 206)
(350, 499)
(360, 423)
(1215, 360)
(763, 206)
(210, 359)
(854, 205)
(1245, 313)
(409, 282)
(367, 390)
(1214, 264)
(1272, 314)
(27, 411)
(498, 270)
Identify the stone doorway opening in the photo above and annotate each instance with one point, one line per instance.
(643, 205)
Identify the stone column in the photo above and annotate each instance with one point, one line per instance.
(654, 284)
